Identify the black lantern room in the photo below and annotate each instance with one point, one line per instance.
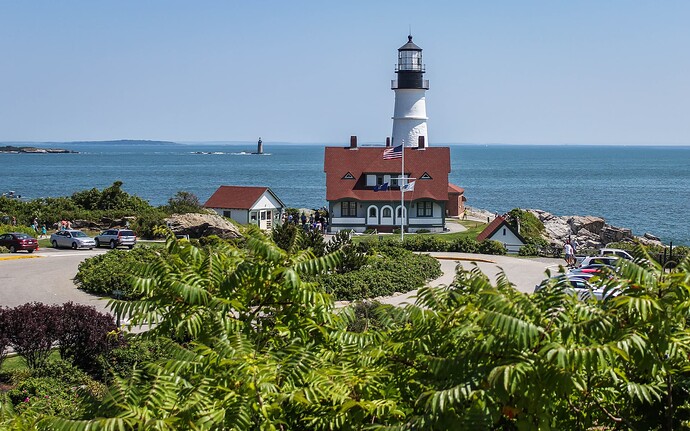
(410, 68)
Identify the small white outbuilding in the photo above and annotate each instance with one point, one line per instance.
(247, 205)
(500, 230)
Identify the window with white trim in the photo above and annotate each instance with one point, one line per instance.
(348, 209)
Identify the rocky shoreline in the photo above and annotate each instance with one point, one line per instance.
(588, 231)
(10, 149)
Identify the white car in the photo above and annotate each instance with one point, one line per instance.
(615, 252)
(598, 260)
(72, 238)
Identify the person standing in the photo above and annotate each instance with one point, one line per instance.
(568, 251)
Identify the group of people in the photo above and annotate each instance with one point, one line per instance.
(317, 221)
(569, 249)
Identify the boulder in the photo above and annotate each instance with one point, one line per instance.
(85, 224)
(198, 225)
(590, 223)
(615, 234)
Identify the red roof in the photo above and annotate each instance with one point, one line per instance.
(491, 228)
(338, 161)
(452, 188)
(237, 197)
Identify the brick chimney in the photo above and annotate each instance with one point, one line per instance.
(353, 142)
(388, 141)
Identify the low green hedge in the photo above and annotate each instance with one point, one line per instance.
(390, 269)
(105, 273)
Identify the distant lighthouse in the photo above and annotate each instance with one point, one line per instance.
(409, 114)
(259, 147)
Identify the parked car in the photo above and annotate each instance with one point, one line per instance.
(116, 238)
(72, 238)
(577, 285)
(598, 260)
(16, 241)
(615, 252)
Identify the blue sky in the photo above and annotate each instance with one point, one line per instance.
(530, 72)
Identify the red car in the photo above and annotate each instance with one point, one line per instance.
(16, 241)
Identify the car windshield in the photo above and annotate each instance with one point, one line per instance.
(23, 236)
(78, 234)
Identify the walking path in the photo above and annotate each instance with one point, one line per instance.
(524, 273)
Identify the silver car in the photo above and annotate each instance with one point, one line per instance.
(72, 238)
(116, 237)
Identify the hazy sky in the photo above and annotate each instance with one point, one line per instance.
(524, 72)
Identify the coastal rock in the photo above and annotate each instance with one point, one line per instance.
(650, 237)
(589, 223)
(615, 234)
(198, 225)
(85, 224)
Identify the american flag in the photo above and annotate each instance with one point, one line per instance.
(393, 153)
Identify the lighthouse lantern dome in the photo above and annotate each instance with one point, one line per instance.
(410, 57)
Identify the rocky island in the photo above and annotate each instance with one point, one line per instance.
(11, 149)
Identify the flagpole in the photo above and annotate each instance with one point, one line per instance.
(402, 194)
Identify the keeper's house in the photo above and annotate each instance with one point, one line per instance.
(363, 188)
(247, 205)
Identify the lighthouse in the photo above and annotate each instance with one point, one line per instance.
(409, 114)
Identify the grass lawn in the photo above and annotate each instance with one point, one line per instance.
(474, 228)
(16, 362)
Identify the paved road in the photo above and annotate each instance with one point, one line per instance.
(47, 275)
(522, 272)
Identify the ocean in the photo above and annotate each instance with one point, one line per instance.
(645, 189)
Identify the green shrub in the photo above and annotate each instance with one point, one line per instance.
(423, 231)
(528, 250)
(530, 226)
(492, 247)
(425, 243)
(146, 223)
(4, 228)
(134, 351)
(392, 269)
(102, 274)
(464, 245)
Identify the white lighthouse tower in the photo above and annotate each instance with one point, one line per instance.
(409, 114)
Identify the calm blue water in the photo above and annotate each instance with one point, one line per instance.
(642, 188)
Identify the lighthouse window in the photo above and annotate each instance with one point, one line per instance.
(348, 209)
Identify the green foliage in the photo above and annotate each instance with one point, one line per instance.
(392, 269)
(287, 236)
(425, 243)
(105, 273)
(528, 250)
(530, 227)
(464, 245)
(184, 202)
(130, 355)
(146, 223)
(4, 228)
(313, 240)
(248, 344)
(492, 247)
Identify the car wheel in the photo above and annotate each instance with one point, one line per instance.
(30, 251)
(74, 246)
(54, 244)
(130, 246)
(112, 244)
(98, 243)
(13, 249)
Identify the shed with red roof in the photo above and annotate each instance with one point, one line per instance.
(500, 230)
(247, 205)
